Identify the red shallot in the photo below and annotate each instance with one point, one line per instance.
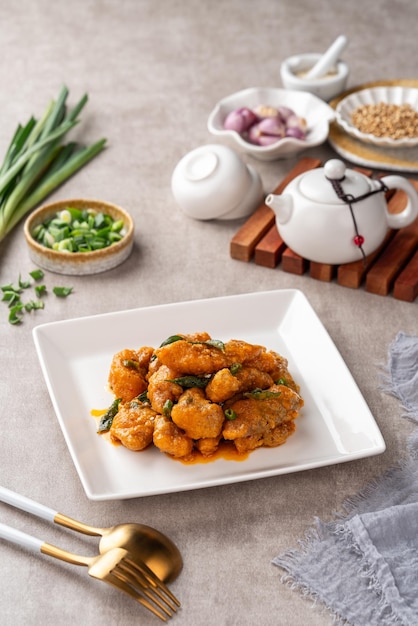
(265, 125)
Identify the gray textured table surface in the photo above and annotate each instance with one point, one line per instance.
(153, 70)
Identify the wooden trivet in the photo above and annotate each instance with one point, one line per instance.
(393, 268)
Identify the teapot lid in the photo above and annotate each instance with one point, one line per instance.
(316, 185)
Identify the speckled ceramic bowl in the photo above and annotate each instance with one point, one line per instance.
(79, 263)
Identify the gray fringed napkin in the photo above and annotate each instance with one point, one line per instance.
(364, 565)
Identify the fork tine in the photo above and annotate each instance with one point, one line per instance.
(135, 574)
(158, 585)
(115, 581)
(132, 581)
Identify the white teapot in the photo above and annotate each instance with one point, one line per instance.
(336, 215)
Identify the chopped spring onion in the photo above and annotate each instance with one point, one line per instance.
(230, 414)
(75, 230)
(62, 292)
(37, 162)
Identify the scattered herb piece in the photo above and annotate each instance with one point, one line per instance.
(143, 397)
(62, 292)
(215, 343)
(168, 405)
(23, 284)
(262, 394)
(282, 381)
(33, 306)
(14, 315)
(37, 274)
(235, 368)
(12, 297)
(130, 364)
(171, 339)
(40, 290)
(107, 418)
(191, 381)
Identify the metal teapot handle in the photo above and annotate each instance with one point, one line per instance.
(410, 212)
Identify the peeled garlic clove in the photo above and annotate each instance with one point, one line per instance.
(240, 120)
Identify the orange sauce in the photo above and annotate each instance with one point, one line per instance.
(226, 450)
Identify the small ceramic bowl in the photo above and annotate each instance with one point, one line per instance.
(212, 182)
(375, 95)
(315, 111)
(79, 263)
(329, 86)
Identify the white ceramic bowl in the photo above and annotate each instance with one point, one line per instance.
(212, 182)
(79, 263)
(375, 95)
(326, 88)
(317, 113)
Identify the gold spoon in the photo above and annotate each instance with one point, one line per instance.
(143, 542)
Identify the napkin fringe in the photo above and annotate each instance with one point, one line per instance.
(306, 592)
(394, 380)
(367, 572)
(291, 562)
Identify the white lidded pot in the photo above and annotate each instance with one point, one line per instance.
(336, 215)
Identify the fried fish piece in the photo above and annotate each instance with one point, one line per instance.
(128, 371)
(257, 414)
(192, 358)
(197, 416)
(170, 439)
(133, 425)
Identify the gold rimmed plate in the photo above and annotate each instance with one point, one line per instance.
(368, 155)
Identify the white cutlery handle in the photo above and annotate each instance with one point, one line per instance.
(26, 504)
(21, 539)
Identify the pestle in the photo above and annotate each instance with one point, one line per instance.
(328, 59)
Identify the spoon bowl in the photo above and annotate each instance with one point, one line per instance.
(143, 542)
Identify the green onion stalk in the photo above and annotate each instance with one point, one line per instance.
(37, 161)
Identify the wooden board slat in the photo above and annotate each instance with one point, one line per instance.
(293, 263)
(322, 271)
(380, 279)
(406, 285)
(269, 250)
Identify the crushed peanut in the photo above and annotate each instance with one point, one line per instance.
(386, 120)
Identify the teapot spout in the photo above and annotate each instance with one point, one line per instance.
(282, 206)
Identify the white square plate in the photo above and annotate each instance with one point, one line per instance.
(334, 426)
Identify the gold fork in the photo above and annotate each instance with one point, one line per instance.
(114, 567)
